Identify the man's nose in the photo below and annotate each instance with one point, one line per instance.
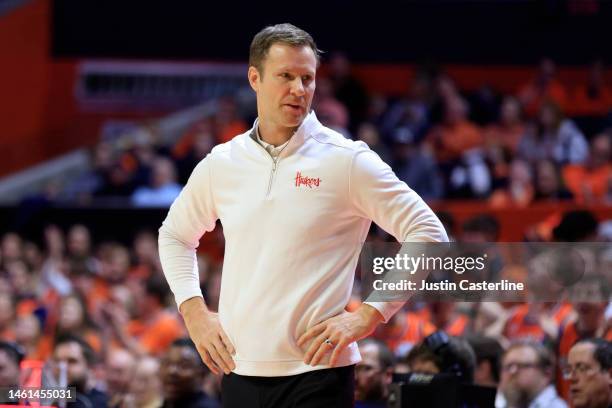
(297, 87)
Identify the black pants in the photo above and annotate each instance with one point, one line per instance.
(327, 388)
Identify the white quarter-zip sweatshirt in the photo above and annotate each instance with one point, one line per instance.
(294, 226)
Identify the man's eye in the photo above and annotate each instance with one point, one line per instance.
(286, 75)
(306, 78)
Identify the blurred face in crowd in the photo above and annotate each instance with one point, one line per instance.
(9, 370)
(71, 314)
(72, 356)
(7, 311)
(79, 241)
(522, 378)
(370, 378)
(163, 172)
(548, 182)
(27, 329)
(455, 110)
(145, 247)
(589, 384)
(120, 366)
(519, 172)
(146, 384)
(182, 372)
(600, 150)
(510, 111)
(284, 88)
(11, 247)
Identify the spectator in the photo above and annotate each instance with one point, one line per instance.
(77, 356)
(548, 184)
(456, 135)
(348, 89)
(544, 86)
(503, 137)
(591, 299)
(368, 133)
(331, 112)
(589, 182)
(203, 142)
(120, 371)
(163, 189)
(481, 228)
(227, 122)
(153, 329)
(73, 318)
(7, 317)
(411, 113)
(439, 353)
(29, 335)
(145, 255)
(488, 360)
(10, 360)
(145, 389)
(589, 370)
(416, 166)
(79, 249)
(526, 379)
(520, 190)
(11, 248)
(554, 138)
(182, 374)
(373, 374)
(593, 97)
(404, 331)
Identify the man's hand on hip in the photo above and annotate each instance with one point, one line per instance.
(336, 333)
(205, 330)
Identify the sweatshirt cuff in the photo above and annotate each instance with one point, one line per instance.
(179, 298)
(386, 309)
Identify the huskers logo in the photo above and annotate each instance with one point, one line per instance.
(306, 181)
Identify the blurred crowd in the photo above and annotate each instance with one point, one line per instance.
(101, 316)
(547, 141)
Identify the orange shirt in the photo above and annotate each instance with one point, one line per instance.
(411, 330)
(450, 142)
(507, 137)
(157, 336)
(520, 325)
(569, 336)
(578, 177)
(533, 96)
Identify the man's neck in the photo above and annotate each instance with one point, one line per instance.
(274, 135)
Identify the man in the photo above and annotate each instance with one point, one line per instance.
(78, 357)
(145, 389)
(526, 379)
(373, 374)
(10, 359)
(589, 370)
(182, 375)
(120, 365)
(488, 353)
(296, 201)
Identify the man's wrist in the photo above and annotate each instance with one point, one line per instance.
(370, 314)
(194, 305)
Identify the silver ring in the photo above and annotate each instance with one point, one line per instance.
(328, 341)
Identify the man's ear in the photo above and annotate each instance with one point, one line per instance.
(254, 78)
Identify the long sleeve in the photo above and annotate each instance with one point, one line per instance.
(190, 216)
(377, 193)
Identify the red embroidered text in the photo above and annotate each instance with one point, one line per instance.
(310, 182)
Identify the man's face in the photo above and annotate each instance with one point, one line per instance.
(9, 370)
(72, 355)
(369, 376)
(589, 384)
(120, 367)
(522, 379)
(286, 86)
(146, 383)
(181, 372)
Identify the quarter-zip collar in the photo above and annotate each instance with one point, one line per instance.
(309, 125)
